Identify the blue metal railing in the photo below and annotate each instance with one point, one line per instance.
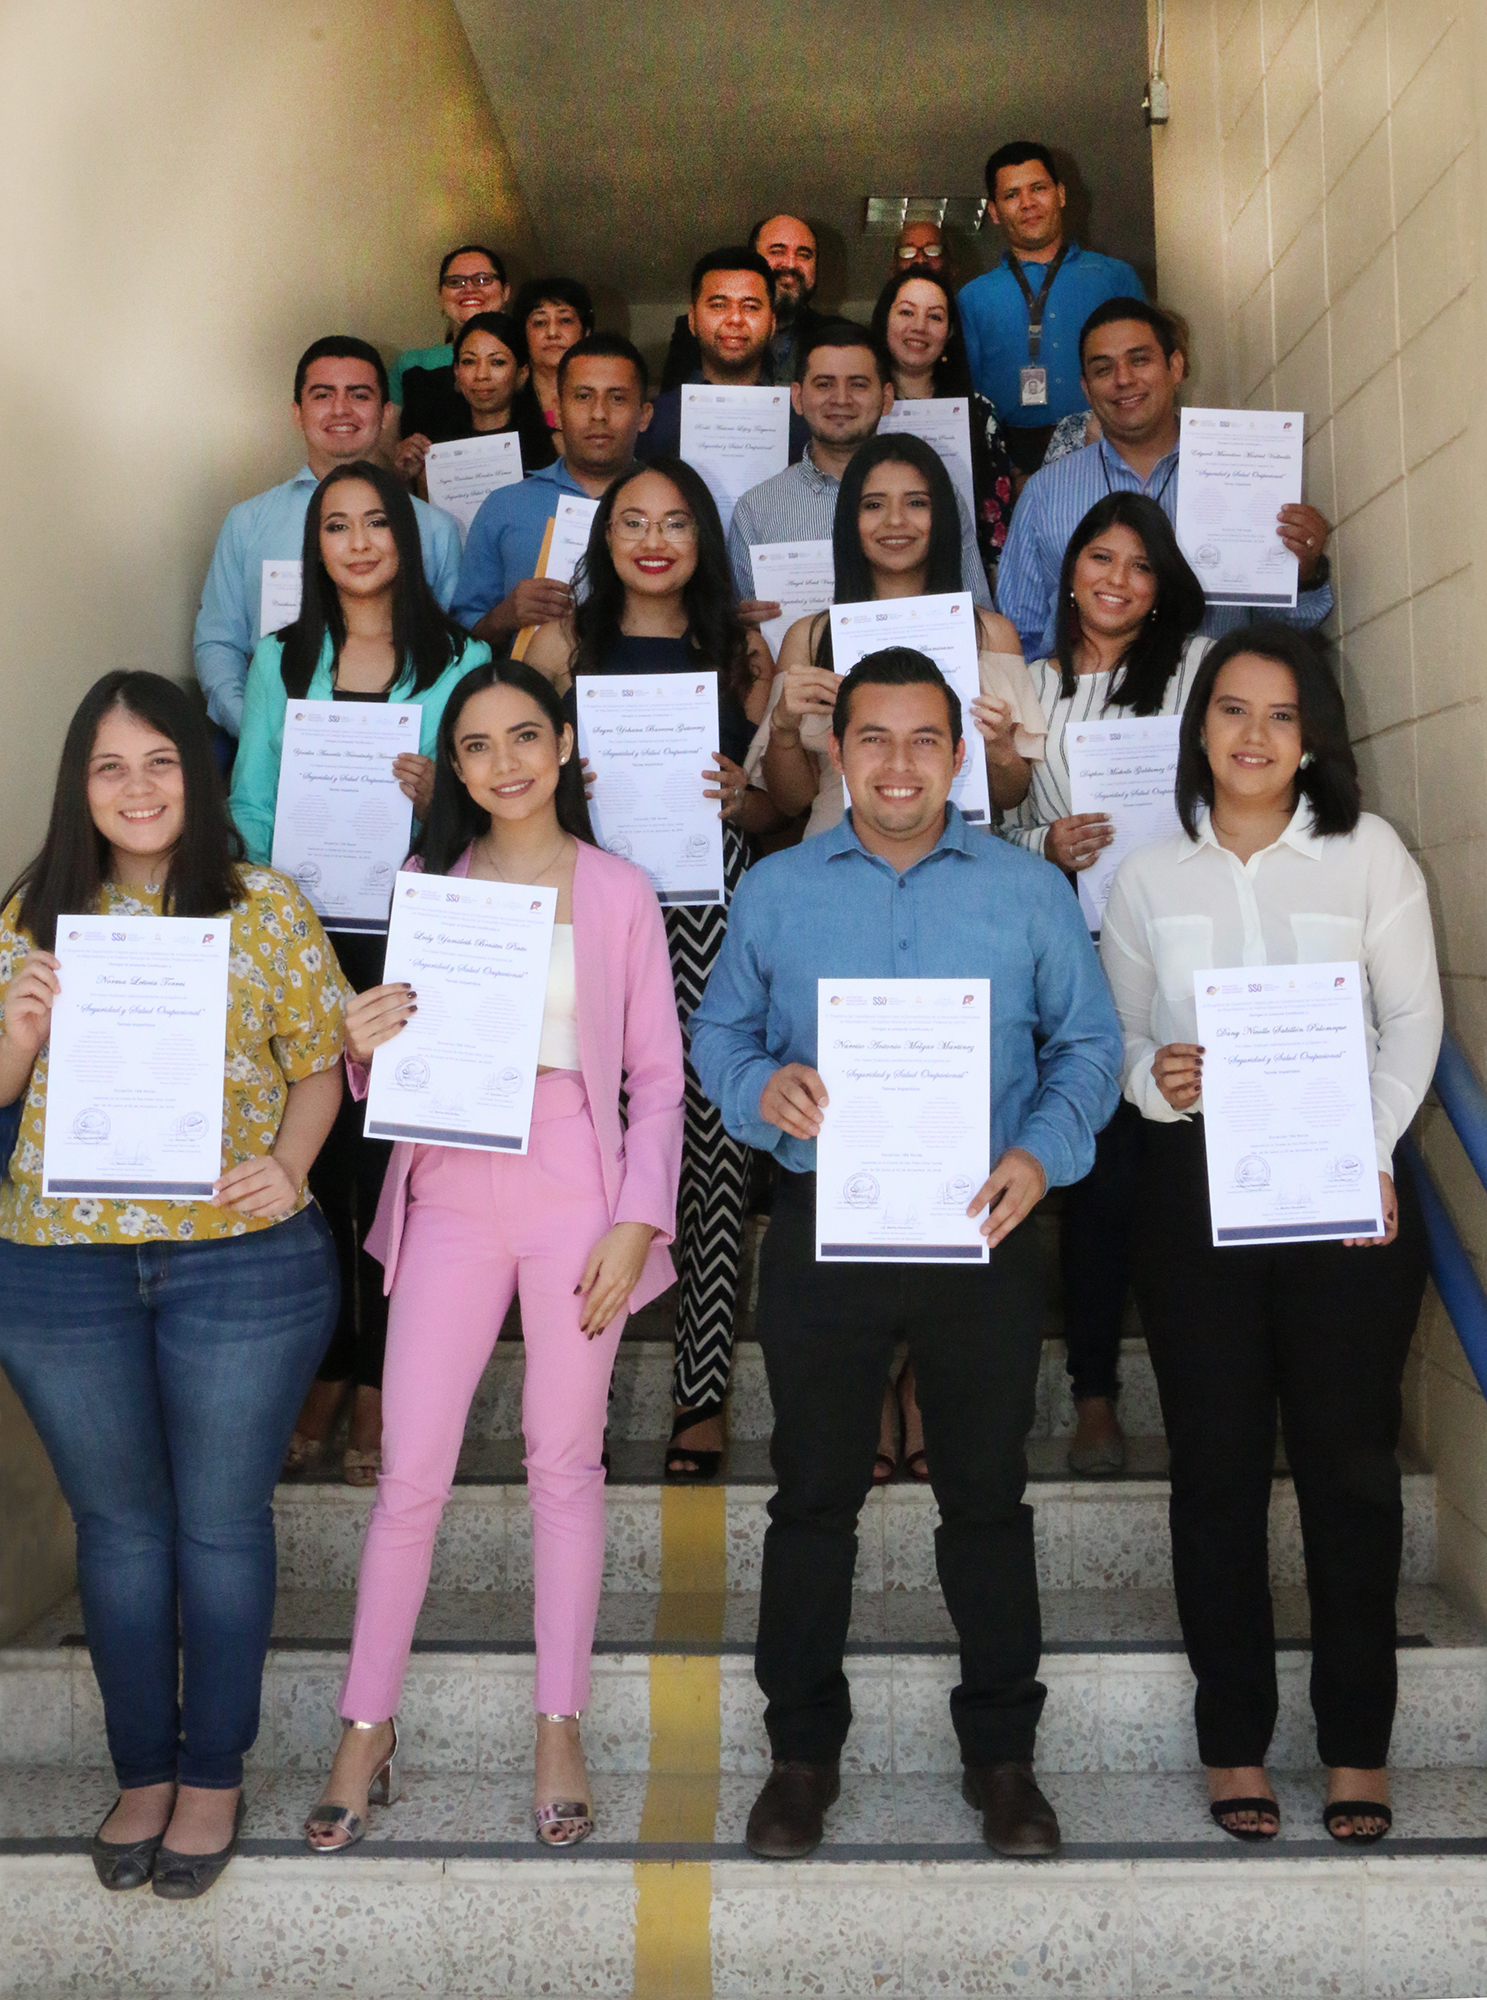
(1465, 1103)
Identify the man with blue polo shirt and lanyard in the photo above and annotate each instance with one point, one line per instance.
(1022, 318)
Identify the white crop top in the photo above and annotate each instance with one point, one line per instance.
(558, 1048)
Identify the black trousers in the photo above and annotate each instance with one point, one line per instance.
(828, 1334)
(1320, 1332)
(1094, 1255)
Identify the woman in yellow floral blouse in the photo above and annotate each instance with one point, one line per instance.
(162, 1347)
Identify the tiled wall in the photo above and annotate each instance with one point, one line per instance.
(1347, 133)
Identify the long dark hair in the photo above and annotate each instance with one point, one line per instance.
(454, 818)
(525, 414)
(1152, 657)
(68, 874)
(853, 571)
(715, 633)
(425, 640)
(952, 372)
(1330, 782)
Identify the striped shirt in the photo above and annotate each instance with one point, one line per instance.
(1054, 502)
(1048, 795)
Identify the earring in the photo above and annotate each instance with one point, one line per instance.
(562, 760)
(1306, 760)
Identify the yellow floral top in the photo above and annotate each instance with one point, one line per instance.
(286, 997)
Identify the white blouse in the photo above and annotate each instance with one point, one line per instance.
(558, 1048)
(1180, 906)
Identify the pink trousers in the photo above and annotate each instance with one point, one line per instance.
(479, 1227)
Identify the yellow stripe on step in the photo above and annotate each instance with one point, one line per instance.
(673, 1899)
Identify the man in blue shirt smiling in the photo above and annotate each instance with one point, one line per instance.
(902, 888)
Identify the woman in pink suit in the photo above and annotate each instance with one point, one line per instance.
(578, 1226)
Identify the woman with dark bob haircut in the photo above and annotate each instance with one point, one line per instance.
(161, 1346)
(1277, 866)
(553, 315)
(1126, 623)
(658, 599)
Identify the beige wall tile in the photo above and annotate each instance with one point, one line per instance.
(1253, 347)
(1448, 656)
(1292, 81)
(1359, 215)
(1262, 396)
(1301, 284)
(1296, 181)
(1356, 100)
(1247, 252)
(1439, 375)
(1457, 875)
(1432, 119)
(1227, 15)
(1318, 474)
(1378, 673)
(1452, 756)
(1362, 323)
(1461, 1557)
(1375, 558)
(1456, 1440)
(1366, 443)
(1338, 21)
(1440, 509)
(1415, 27)
(1436, 246)
(1303, 379)
(1241, 67)
(1466, 1017)
(1280, 18)
(1244, 157)
(1386, 767)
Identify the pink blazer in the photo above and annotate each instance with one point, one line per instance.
(627, 1032)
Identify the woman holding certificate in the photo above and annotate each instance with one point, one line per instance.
(492, 394)
(1277, 866)
(577, 1225)
(369, 631)
(660, 601)
(161, 1344)
(1129, 607)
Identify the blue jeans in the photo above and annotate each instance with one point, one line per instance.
(164, 1381)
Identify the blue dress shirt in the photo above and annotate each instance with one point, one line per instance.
(663, 434)
(505, 539)
(974, 908)
(271, 528)
(994, 315)
(1054, 502)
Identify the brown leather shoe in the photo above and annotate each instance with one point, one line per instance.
(788, 1819)
(1016, 1819)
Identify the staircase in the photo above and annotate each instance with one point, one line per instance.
(450, 1895)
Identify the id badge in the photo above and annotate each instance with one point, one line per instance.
(1034, 385)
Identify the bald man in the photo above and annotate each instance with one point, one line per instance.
(788, 245)
(921, 246)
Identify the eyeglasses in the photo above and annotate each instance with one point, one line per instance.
(481, 280)
(920, 253)
(629, 527)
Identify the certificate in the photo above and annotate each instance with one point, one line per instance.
(342, 823)
(734, 437)
(798, 576)
(945, 423)
(1125, 766)
(569, 540)
(1236, 471)
(944, 628)
(905, 1140)
(649, 738)
(279, 595)
(460, 474)
(134, 1074)
(1287, 1112)
(463, 1071)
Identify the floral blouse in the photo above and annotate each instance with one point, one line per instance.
(285, 1002)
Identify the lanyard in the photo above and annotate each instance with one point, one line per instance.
(1035, 304)
(1157, 496)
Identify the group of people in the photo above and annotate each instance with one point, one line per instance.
(174, 1356)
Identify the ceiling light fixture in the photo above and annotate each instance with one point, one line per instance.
(886, 214)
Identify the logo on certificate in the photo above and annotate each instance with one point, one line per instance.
(1347, 1170)
(1252, 1173)
(191, 1127)
(91, 1127)
(412, 1074)
(506, 1082)
(618, 844)
(308, 876)
(861, 1191)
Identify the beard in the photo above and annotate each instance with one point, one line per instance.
(789, 303)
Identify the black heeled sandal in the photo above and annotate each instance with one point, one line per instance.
(1356, 1809)
(1220, 1809)
(685, 1461)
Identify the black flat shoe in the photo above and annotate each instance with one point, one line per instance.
(684, 1461)
(123, 1864)
(1356, 1809)
(1221, 1809)
(182, 1877)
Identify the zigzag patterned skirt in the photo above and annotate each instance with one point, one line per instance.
(715, 1170)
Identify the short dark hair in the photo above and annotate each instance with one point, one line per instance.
(894, 666)
(340, 347)
(732, 257)
(1153, 656)
(1330, 782)
(553, 291)
(501, 326)
(1112, 310)
(1017, 153)
(607, 347)
(472, 250)
(843, 333)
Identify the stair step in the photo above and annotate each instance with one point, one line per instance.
(449, 1896)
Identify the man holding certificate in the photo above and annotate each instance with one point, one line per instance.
(890, 905)
(1279, 1253)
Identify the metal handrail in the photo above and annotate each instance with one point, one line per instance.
(1465, 1103)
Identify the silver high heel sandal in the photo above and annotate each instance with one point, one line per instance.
(565, 1822)
(385, 1790)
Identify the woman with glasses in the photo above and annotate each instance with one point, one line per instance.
(660, 600)
(472, 280)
